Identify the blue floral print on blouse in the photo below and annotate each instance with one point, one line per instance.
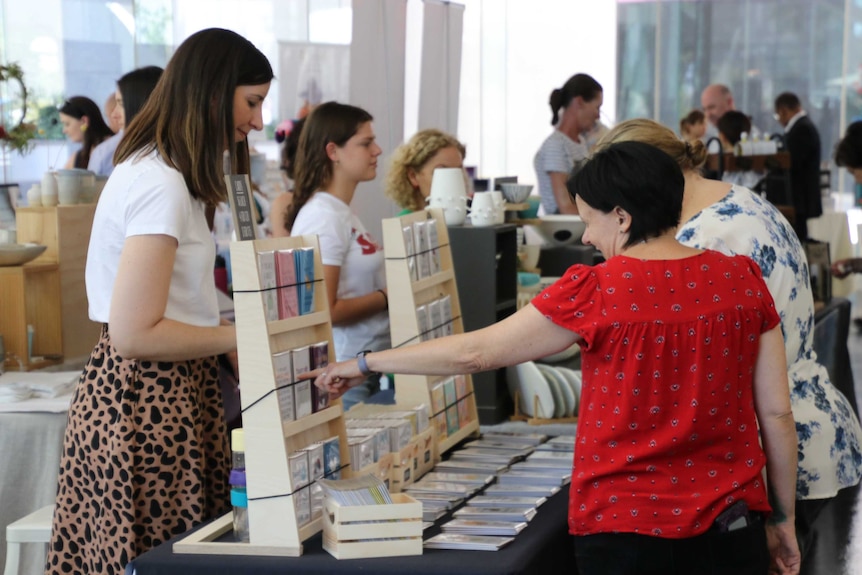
(829, 435)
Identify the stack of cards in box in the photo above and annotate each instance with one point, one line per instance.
(287, 281)
(299, 398)
(422, 246)
(450, 405)
(307, 466)
(362, 490)
(435, 318)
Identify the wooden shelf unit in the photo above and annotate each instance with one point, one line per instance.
(30, 295)
(268, 442)
(66, 232)
(485, 261)
(405, 295)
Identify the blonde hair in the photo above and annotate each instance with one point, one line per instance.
(689, 155)
(414, 155)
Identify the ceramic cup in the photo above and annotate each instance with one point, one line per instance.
(49, 189)
(454, 209)
(34, 196)
(68, 187)
(8, 236)
(447, 183)
(482, 211)
(88, 186)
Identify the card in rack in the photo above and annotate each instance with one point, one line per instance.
(446, 314)
(433, 246)
(420, 242)
(304, 259)
(302, 389)
(282, 365)
(410, 250)
(332, 458)
(268, 284)
(438, 400)
(319, 358)
(288, 290)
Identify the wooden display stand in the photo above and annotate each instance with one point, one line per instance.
(65, 230)
(404, 297)
(30, 295)
(272, 519)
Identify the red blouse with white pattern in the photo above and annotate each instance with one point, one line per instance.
(667, 434)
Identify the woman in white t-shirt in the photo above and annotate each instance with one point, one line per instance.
(336, 151)
(580, 100)
(145, 453)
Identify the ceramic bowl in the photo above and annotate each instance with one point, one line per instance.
(19, 254)
(561, 229)
(533, 210)
(516, 193)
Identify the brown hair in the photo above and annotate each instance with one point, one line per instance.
(415, 154)
(689, 155)
(328, 122)
(690, 119)
(189, 115)
(582, 85)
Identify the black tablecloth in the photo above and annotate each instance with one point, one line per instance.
(544, 546)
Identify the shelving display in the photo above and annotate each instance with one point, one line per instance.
(485, 262)
(420, 277)
(284, 452)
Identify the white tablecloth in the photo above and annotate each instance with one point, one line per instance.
(833, 227)
(30, 448)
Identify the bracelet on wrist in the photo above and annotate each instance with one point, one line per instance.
(363, 363)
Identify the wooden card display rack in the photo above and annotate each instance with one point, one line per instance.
(406, 294)
(273, 526)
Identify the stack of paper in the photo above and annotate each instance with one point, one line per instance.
(467, 542)
(478, 527)
(364, 490)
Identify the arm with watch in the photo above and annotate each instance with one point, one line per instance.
(520, 337)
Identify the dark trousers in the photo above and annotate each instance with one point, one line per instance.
(740, 552)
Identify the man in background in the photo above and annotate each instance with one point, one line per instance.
(802, 141)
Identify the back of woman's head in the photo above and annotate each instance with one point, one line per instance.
(688, 155)
(289, 148)
(848, 153)
(188, 117)
(414, 154)
(97, 130)
(637, 177)
(330, 122)
(135, 87)
(732, 124)
(582, 85)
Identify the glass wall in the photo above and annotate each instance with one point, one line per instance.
(670, 50)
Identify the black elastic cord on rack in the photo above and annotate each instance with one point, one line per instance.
(428, 251)
(427, 331)
(314, 281)
(298, 489)
(271, 391)
(448, 405)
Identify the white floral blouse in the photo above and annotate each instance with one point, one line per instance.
(830, 455)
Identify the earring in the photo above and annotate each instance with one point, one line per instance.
(83, 127)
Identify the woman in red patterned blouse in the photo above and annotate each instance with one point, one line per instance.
(682, 359)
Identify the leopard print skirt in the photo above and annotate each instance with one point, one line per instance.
(145, 458)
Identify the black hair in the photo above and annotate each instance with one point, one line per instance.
(732, 124)
(97, 130)
(787, 100)
(639, 178)
(135, 87)
(582, 85)
(848, 153)
(289, 148)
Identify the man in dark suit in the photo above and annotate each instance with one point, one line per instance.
(802, 140)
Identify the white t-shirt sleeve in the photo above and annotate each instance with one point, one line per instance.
(317, 218)
(157, 206)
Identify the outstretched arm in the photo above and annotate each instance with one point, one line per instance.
(521, 337)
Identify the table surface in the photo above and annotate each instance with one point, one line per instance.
(544, 546)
